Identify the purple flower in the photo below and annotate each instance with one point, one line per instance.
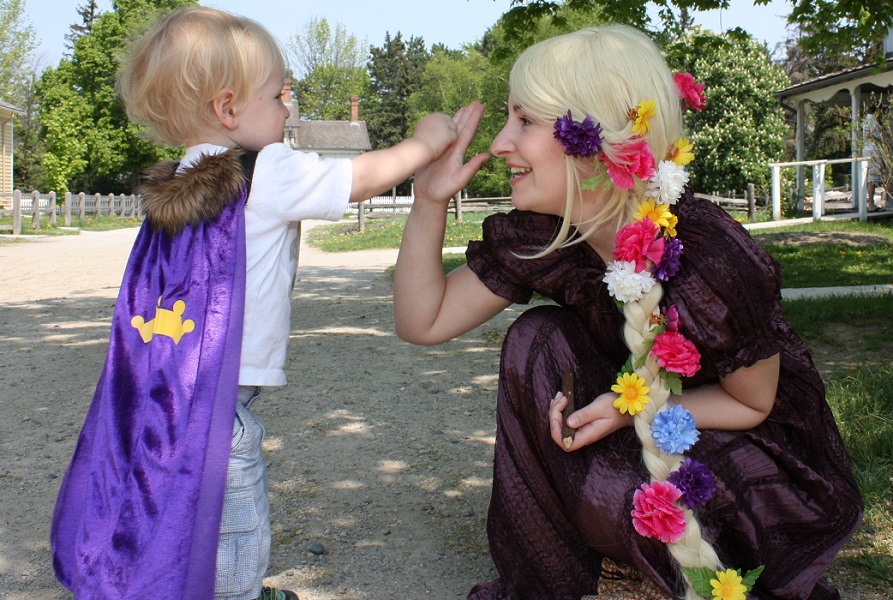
(579, 139)
(671, 316)
(674, 430)
(669, 262)
(695, 481)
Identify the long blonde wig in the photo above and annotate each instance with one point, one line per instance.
(602, 72)
(605, 72)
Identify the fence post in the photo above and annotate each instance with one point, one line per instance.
(361, 215)
(35, 210)
(457, 202)
(776, 193)
(16, 212)
(751, 203)
(53, 208)
(82, 205)
(67, 206)
(818, 191)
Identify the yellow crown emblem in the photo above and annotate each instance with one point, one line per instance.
(168, 323)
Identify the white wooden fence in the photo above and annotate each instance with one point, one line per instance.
(21, 204)
(819, 193)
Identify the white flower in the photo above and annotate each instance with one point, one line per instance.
(668, 182)
(624, 283)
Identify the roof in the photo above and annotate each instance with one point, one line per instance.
(330, 135)
(11, 108)
(825, 87)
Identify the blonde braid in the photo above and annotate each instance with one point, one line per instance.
(692, 550)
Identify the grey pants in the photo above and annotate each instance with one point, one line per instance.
(243, 551)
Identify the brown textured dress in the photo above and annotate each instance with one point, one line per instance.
(785, 498)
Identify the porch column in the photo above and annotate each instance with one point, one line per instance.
(801, 146)
(855, 179)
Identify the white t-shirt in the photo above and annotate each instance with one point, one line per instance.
(287, 187)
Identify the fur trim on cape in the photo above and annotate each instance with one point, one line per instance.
(199, 193)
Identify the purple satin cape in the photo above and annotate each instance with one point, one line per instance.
(138, 514)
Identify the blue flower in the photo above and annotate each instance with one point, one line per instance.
(674, 430)
(695, 481)
(579, 139)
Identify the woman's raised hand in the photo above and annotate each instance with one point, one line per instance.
(442, 179)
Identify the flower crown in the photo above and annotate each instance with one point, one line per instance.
(646, 252)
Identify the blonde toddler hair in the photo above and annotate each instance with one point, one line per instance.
(185, 61)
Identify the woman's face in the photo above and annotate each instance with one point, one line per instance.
(536, 159)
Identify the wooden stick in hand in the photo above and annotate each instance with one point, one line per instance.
(567, 388)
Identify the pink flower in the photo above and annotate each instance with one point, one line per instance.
(691, 93)
(639, 242)
(675, 353)
(633, 159)
(655, 515)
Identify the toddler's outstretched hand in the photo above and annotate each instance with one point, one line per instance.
(438, 131)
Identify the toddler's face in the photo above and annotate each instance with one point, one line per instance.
(262, 120)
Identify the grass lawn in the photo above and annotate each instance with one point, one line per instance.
(101, 223)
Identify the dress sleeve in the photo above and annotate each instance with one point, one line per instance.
(499, 258)
(728, 290)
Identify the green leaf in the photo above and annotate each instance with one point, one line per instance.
(628, 367)
(592, 183)
(751, 577)
(673, 381)
(700, 580)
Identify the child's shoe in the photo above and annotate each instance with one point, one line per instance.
(268, 593)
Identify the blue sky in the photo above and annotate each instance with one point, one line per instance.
(451, 22)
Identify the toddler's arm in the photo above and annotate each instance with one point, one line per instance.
(380, 170)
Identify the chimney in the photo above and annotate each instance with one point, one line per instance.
(354, 109)
(286, 91)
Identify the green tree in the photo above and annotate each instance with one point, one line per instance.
(88, 13)
(830, 26)
(500, 49)
(28, 172)
(64, 114)
(742, 127)
(452, 79)
(331, 67)
(395, 71)
(17, 44)
(94, 147)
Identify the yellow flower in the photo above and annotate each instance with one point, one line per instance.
(681, 153)
(670, 231)
(728, 586)
(644, 111)
(632, 394)
(659, 214)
